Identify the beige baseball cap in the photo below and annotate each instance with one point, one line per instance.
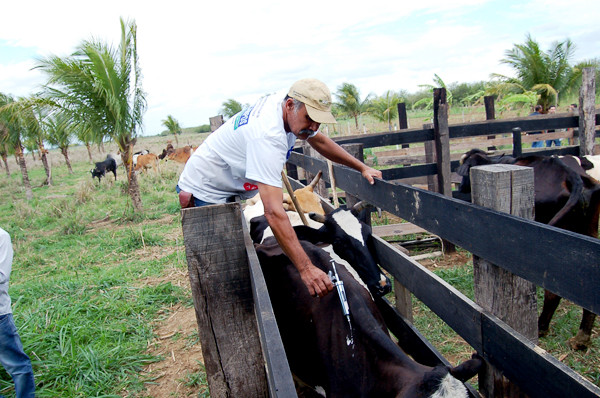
(316, 96)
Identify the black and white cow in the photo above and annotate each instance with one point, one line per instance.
(355, 358)
(341, 234)
(108, 164)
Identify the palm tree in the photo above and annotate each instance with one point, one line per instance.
(4, 147)
(427, 102)
(13, 128)
(101, 87)
(230, 108)
(385, 108)
(547, 73)
(59, 132)
(173, 126)
(349, 101)
(32, 112)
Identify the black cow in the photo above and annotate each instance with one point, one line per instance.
(565, 197)
(355, 358)
(108, 164)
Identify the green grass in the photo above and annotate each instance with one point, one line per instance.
(80, 300)
(83, 312)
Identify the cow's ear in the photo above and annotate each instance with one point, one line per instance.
(468, 369)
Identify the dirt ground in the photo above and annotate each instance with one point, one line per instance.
(176, 375)
(177, 342)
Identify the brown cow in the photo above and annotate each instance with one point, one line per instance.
(147, 161)
(180, 155)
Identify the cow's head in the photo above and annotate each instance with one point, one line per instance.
(351, 240)
(96, 173)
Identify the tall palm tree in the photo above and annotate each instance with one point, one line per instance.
(385, 108)
(349, 101)
(548, 73)
(173, 126)
(230, 108)
(59, 133)
(101, 86)
(13, 127)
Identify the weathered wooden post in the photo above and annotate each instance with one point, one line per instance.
(320, 188)
(215, 122)
(430, 157)
(490, 114)
(355, 150)
(222, 293)
(509, 189)
(517, 145)
(442, 149)
(587, 113)
(402, 117)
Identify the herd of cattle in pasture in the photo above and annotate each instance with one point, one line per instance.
(142, 160)
(359, 358)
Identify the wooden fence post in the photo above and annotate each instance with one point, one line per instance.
(402, 118)
(490, 114)
(442, 149)
(509, 189)
(430, 157)
(215, 122)
(222, 293)
(321, 187)
(587, 113)
(517, 145)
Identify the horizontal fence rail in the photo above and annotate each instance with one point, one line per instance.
(489, 127)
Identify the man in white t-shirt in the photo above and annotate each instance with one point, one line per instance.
(248, 152)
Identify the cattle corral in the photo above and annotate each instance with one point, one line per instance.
(106, 185)
(502, 239)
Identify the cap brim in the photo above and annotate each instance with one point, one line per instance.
(320, 116)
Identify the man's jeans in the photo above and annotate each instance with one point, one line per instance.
(14, 359)
(197, 202)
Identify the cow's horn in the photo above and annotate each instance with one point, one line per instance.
(360, 206)
(315, 180)
(317, 217)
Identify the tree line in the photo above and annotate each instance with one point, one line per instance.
(541, 77)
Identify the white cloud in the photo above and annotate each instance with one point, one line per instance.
(195, 55)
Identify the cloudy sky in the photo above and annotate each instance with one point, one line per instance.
(197, 54)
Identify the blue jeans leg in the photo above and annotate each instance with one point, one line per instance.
(14, 359)
(537, 144)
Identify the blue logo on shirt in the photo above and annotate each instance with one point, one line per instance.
(243, 117)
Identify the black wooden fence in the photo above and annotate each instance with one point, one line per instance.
(502, 239)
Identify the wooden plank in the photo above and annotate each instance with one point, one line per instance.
(279, 376)
(507, 245)
(537, 372)
(460, 313)
(397, 229)
(222, 293)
